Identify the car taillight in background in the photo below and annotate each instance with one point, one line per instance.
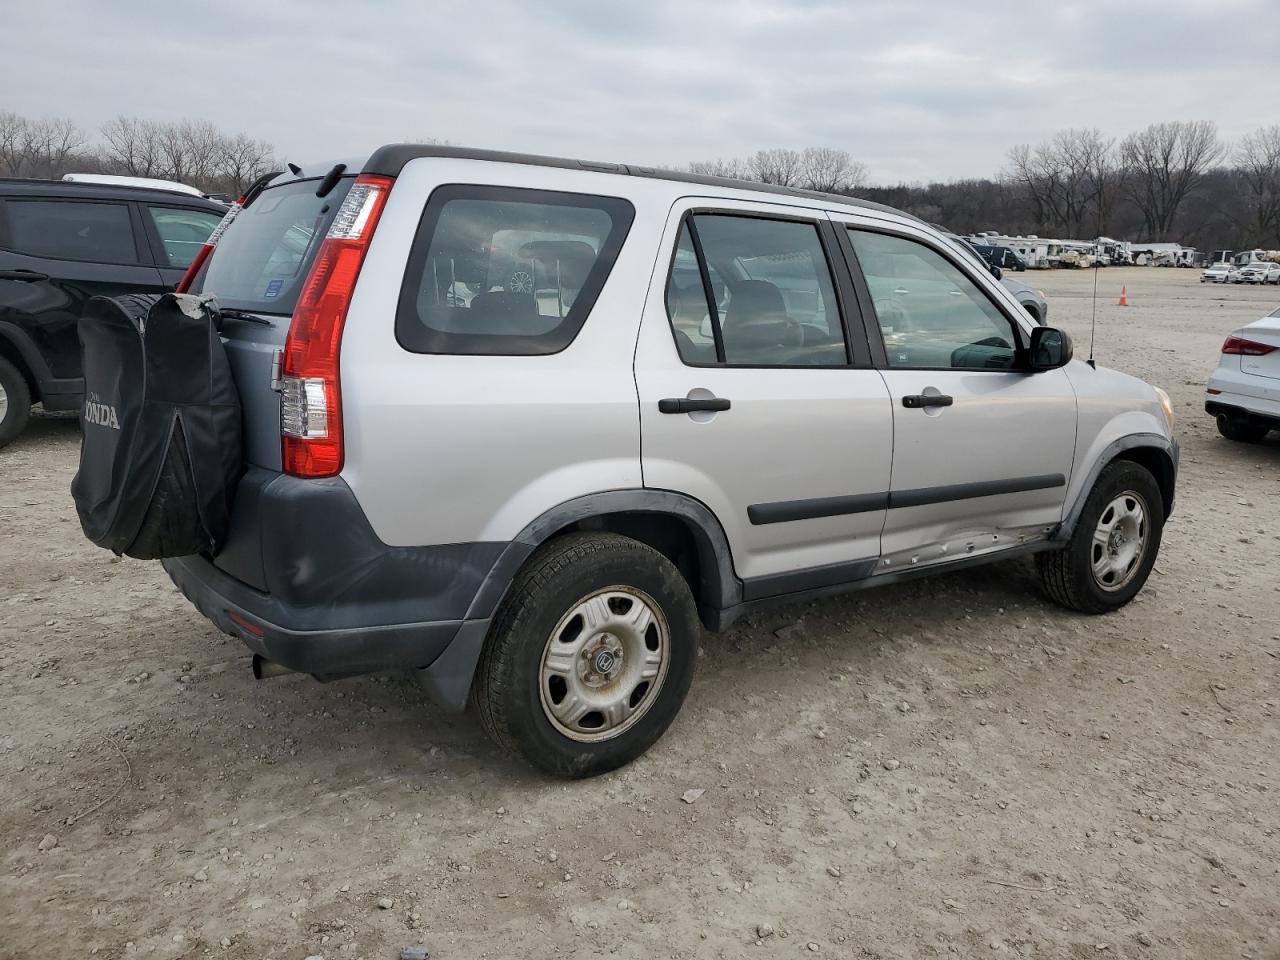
(310, 401)
(1247, 348)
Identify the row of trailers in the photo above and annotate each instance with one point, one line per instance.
(1039, 253)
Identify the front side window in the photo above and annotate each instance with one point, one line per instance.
(70, 230)
(931, 314)
(507, 271)
(770, 302)
(182, 232)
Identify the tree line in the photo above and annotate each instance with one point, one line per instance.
(195, 152)
(1172, 181)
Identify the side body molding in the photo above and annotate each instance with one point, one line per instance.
(720, 587)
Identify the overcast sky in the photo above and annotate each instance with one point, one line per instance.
(916, 89)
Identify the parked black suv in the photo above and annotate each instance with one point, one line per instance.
(61, 244)
(1001, 257)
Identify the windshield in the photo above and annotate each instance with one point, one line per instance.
(262, 260)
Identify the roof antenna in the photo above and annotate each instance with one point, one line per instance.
(1093, 323)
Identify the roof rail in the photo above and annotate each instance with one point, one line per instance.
(389, 160)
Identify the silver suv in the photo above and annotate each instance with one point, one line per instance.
(526, 426)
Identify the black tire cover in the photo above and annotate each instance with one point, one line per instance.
(161, 453)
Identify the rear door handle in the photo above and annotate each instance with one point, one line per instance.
(26, 276)
(689, 405)
(917, 400)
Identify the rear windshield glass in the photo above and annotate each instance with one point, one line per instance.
(260, 263)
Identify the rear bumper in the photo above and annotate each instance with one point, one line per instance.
(1235, 409)
(304, 581)
(1243, 396)
(264, 624)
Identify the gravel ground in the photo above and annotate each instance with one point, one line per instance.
(950, 767)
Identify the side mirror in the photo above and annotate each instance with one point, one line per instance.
(1050, 349)
(997, 272)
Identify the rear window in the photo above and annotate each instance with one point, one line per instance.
(70, 230)
(182, 231)
(262, 260)
(506, 271)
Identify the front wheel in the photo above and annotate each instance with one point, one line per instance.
(1114, 545)
(590, 656)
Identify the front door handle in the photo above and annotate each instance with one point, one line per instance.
(692, 405)
(918, 400)
(26, 276)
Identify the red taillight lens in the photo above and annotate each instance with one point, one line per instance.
(311, 402)
(1247, 348)
(202, 255)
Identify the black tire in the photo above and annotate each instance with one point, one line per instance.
(1068, 576)
(507, 691)
(1241, 431)
(18, 407)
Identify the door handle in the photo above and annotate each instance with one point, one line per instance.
(25, 276)
(918, 400)
(688, 405)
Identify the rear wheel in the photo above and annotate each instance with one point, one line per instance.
(1114, 546)
(590, 656)
(15, 402)
(1240, 431)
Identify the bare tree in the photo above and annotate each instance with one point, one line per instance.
(830, 170)
(1259, 158)
(1163, 164)
(1069, 180)
(241, 160)
(733, 168)
(38, 148)
(12, 136)
(132, 146)
(191, 151)
(780, 166)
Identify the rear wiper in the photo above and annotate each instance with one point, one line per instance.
(233, 314)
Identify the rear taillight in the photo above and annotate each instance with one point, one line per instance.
(202, 255)
(310, 401)
(1247, 348)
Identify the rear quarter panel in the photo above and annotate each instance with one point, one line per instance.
(450, 448)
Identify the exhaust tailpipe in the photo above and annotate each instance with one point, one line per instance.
(264, 669)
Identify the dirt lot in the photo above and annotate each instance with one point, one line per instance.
(951, 767)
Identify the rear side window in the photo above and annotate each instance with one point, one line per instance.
(262, 260)
(182, 232)
(70, 230)
(507, 271)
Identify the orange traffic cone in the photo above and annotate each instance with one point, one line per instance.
(1124, 297)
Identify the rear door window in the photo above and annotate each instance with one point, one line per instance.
(182, 232)
(775, 302)
(70, 230)
(262, 260)
(507, 271)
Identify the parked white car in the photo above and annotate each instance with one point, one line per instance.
(1264, 271)
(1244, 392)
(1218, 273)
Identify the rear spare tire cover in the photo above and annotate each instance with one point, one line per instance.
(161, 451)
